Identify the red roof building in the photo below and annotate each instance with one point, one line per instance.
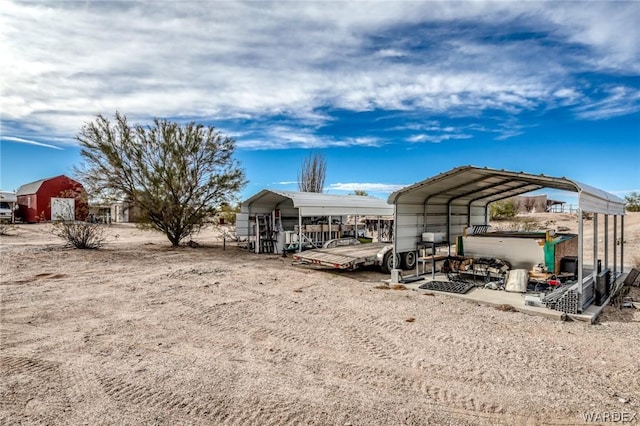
(36, 199)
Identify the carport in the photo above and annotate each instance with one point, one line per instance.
(452, 201)
(285, 209)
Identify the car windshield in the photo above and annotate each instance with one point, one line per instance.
(4, 205)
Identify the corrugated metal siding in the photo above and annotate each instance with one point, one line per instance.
(451, 201)
(316, 204)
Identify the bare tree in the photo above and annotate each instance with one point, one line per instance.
(175, 175)
(312, 174)
(529, 204)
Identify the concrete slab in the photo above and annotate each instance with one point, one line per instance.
(500, 297)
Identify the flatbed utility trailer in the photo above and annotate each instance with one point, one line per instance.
(350, 255)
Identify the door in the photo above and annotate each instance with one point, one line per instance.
(63, 209)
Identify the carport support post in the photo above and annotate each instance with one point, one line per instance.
(606, 241)
(299, 231)
(622, 243)
(257, 235)
(396, 274)
(355, 232)
(615, 246)
(595, 246)
(449, 222)
(580, 257)
(330, 236)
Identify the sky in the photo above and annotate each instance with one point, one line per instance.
(389, 92)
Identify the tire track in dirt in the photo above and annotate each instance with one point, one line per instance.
(43, 402)
(9, 340)
(227, 318)
(81, 385)
(32, 366)
(474, 350)
(270, 413)
(395, 327)
(204, 408)
(487, 374)
(367, 338)
(124, 391)
(411, 382)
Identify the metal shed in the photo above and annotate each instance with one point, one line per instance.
(452, 201)
(280, 205)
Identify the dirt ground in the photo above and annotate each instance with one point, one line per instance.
(140, 333)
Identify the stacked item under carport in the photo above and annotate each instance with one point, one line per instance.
(563, 299)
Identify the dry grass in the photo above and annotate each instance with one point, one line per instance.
(382, 287)
(398, 287)
(5, 228)
(506, 308)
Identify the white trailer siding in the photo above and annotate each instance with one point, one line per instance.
(522, 253)
(409, 221)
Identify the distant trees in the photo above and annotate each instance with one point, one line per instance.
(361, 192)
(312, 173)
(529, 204)
(176, 175)
(228, 213)
(632, 202)
(504, 209)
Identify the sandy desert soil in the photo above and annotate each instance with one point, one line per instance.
(140, 333)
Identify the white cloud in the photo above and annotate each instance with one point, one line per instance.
(391, 53)
(436, 138)
(610, 29)
(29, 142)
(289, 136)
(365, 186)
(619, 100)
(70, 61)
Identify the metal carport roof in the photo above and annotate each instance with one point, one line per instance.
(451, 201)
(317, 204)
(469, 185)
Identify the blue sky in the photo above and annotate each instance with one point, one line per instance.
(391, 93)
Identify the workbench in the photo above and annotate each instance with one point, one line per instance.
(433, 257)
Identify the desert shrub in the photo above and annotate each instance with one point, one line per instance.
(529, 224)
(5, 228)
(505, 209)
(516, 224)
(632, 202)
(81, 235)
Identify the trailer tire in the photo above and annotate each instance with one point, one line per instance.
(387, 262)
(409, 260)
